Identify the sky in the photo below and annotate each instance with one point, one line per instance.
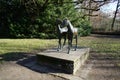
(109, 8)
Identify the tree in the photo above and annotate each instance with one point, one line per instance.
(116, 11)
(36, 18)
(91, 6)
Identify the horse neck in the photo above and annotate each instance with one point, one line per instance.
(70, 26)
(59, 28)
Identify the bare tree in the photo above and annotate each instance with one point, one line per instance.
(113, 22)
(91, 6)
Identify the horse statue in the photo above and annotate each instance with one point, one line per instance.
(71, 32)
(62, 32)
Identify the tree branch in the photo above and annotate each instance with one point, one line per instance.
(115, 15)
(93, 9)
(90, 15)
(100, 1)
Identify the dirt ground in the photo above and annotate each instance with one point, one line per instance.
(104, 67)
(12, 71)
(100, 67)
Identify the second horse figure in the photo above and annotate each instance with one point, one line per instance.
(66, 29)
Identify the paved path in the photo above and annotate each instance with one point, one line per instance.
(97, 67)
(105, 67)
(12, 71)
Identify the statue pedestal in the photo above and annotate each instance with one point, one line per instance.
(68, 63)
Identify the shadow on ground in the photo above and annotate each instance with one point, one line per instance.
(29, 61)
(106, 36)
(14, 56)
(105, 67)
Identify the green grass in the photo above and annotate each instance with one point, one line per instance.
(104, 46)
(99, 45)
(25, 45)
(13, 49)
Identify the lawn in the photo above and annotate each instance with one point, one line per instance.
(101, 45)
(25, 45)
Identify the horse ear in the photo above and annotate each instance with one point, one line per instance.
(66, 17)
(64, 22)
(58, 21)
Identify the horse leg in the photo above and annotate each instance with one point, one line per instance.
(76, 37)
(64, 40)
(69, 43)
(71, 40)
(59, 43)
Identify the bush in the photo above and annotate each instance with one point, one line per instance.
(32, 22)
(84, 29)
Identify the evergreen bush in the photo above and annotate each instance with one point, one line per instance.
(19, 20)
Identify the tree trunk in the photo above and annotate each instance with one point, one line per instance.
(113, 22)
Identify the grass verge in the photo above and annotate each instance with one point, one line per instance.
(25, 45)
(99, 45)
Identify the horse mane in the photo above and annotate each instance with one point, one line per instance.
(70, 26)
(60, 27)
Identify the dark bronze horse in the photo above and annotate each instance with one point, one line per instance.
(62, 32)
(71, 33)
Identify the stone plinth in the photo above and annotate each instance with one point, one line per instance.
(68, 63)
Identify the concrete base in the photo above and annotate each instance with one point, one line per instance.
(68, 63)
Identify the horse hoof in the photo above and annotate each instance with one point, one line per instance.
(58, 50)
(75, 49)
(68, 52)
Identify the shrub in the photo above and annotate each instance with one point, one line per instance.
(29, 21)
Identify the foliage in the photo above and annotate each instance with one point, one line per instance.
(27, 19)
(84, 28)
